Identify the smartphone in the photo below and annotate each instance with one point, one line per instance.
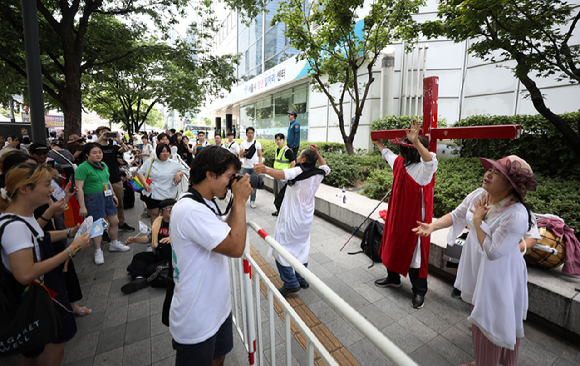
(111, 134)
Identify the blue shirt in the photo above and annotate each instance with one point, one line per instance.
(293, 134)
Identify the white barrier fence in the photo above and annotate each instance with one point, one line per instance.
(247, 312)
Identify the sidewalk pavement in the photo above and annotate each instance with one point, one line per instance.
(127, 329)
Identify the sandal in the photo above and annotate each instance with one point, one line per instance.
(84, 312)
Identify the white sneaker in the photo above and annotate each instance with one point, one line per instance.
(149, 249)
(253, 204)
(99, 258)
(117, 246)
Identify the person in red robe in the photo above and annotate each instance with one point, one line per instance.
(411, 200)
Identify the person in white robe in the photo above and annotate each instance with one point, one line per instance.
(296, 215)
(492, 274)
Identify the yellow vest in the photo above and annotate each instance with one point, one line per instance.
(280, 162)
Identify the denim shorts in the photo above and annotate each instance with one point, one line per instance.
(98, 206)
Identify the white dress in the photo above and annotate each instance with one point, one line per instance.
(493, 279)
(296, 215)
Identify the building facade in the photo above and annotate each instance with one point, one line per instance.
(273, 81)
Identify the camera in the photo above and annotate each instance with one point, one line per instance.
(256, 181)
(111, 134)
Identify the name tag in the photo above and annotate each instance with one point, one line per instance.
(107, 189)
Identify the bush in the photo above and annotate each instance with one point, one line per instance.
(540, 144)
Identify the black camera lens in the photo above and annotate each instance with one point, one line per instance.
(256, 181)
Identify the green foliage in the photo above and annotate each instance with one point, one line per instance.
(339, 47)
(536, 36)
(541, 143)
(189, 134)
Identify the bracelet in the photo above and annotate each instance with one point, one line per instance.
(41, 217)
(70, 253)
(68, 232)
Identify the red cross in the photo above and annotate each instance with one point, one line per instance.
(430, 130)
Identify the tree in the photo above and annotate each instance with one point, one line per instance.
(534, 33)
(179, 76)
(67, 51)
(338, 48)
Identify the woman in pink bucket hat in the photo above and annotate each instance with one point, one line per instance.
(492, 274)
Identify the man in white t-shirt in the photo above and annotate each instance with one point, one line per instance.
(297, 213)
(251, 151)
(200, 318)
(232, 145)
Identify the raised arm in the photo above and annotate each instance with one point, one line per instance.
(413, 136)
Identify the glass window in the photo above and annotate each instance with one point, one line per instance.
(258, 59)
(256, 28)
(271, 10)
(274, 42)
(247, 118)
(243, 41)
(263, 116)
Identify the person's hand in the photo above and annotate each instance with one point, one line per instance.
(73, 231)
(117, 138)
(423, 229)
(376, 142)
(480, 209)
(314, 147)
(13, 143)
(82, 242)
(116, 201)
(177, 178)
(130, 240)
(58, 206)
(241, 189)
(146, 187)
(413, 132)
(260, 168)
(68, 190)
(166, 240)
(83, 212)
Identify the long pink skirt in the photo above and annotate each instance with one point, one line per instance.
(489, 354)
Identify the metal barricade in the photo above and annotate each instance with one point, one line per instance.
(247, 314)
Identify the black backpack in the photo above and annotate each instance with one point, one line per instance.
(371, 242)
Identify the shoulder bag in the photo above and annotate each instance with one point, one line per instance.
(136, 184)
(28, 322)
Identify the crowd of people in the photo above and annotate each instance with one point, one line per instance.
(191, 238)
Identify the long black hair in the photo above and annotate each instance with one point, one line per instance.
(411, 155)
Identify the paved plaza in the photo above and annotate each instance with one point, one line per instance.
(127, 329)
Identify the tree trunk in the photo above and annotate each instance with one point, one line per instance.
(72, 111)
(570, 138)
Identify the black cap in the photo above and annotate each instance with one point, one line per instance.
(38, 149)
(293, 112)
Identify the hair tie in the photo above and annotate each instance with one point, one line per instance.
(4, 193)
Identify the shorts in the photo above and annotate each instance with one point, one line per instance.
(150, 202)
(98, 206)
(202, 354)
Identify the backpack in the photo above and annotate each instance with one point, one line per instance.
(129, 196)
(307, 172)
(371, 242)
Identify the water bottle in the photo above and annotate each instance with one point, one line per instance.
(343, 195)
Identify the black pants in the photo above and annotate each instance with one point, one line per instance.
(143, 264)
(419, 284)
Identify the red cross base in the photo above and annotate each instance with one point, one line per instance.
(430, 130)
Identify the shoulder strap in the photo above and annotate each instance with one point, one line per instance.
(196, 196)
(150, 166)
(306, 174)
(8, 220)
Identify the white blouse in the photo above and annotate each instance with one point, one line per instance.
(493, 278)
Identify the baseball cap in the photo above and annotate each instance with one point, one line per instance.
(293, 112)
(38, 149)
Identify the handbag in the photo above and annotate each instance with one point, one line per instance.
(136, 184)
(31, 321)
